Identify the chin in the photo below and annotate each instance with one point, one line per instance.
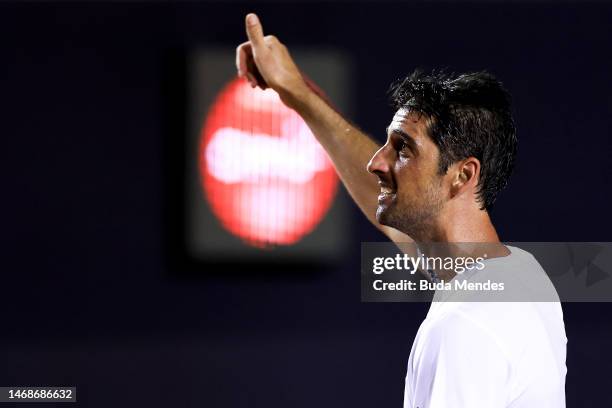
(383, 216)
(401, 222)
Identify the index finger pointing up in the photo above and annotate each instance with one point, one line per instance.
(254, 30)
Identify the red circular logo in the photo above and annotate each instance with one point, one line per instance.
(265, 176)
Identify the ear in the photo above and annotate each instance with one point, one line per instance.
(466, 175)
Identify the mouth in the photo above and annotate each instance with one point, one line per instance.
(386, 194)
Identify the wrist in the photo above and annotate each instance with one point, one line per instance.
(297, 95)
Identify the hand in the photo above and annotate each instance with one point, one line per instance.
(265, 62)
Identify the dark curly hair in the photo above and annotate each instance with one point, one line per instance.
(469, 116)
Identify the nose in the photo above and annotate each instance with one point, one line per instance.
(378, 163)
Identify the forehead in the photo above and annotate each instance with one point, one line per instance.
(413, 123)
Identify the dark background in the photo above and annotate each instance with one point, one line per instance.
(90, 295)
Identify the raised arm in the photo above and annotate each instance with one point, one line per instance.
(266, 62)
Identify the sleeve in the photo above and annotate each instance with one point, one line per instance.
(464, 366)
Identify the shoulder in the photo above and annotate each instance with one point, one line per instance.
(524, 279)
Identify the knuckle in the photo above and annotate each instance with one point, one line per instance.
(243, 46)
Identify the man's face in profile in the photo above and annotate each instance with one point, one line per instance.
(411, 189)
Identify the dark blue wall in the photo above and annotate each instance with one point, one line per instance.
(89, 296)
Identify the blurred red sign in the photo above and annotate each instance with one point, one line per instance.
(265, 176)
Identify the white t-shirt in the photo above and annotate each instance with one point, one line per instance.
(490, 354)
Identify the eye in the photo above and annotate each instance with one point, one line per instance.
(401, 146)
(404, 149)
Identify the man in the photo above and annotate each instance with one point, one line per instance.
(450, 149)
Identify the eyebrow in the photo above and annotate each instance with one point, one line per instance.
(407, 138)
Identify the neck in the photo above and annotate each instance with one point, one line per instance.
(473, 225)
(459, 225)
(470, 227)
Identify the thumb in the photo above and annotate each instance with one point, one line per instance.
(254, 30)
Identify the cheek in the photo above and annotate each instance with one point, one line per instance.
(417, 184)
(409, 175)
